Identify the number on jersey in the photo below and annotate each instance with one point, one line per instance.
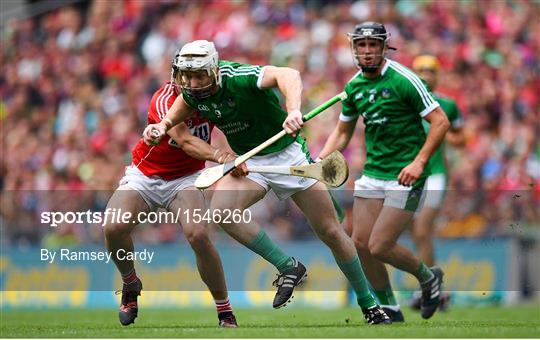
(201, 131)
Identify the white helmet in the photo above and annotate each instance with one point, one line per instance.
(197, 55)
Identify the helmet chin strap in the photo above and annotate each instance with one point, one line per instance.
(201, 92)
(371, 68)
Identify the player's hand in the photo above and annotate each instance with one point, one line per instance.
(293, 123)
(240, 171)
(411, 173)
(153, 133)
(223, 156)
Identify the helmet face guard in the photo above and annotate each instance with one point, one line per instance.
(183, 79)
(194, 57)
(369, 30)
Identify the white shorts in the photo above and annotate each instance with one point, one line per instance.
(283, 186)
(156, 192)
(393, 194)
(435, 190)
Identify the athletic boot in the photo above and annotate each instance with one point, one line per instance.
(444, 303)
(287, 281)
(394, 313)
(128, 306)
(227, 320)
(431, 293)
(376, 315)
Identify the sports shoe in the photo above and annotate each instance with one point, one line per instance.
(431, 293)
(128, 306)
(394, 314)
(287, 281)
(227, 320)
(444, 303)
(376, 315)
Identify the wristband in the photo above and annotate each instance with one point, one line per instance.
(168, 122)
(215, 154)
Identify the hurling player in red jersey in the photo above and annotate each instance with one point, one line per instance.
(162, 176)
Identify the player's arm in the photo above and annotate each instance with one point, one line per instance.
(439, 124)
(289, 83)
(196, 147)
(339, 138)
(177, 113)
(455, 137)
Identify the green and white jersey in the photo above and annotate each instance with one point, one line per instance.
(392, 106)
(437, 162)
(245, 113)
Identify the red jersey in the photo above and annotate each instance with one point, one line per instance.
(167, 160)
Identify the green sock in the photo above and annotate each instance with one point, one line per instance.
(424, 274)
(354, 273)
(264, 246)
(340, 213)
(386, 297)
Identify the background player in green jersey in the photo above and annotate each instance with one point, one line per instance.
(240, 100)
(427, 67)
(392, 101)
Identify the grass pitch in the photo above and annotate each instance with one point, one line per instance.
(482, 322)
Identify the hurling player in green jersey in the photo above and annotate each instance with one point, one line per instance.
(240, 100)
(427, 67)
(392, 102)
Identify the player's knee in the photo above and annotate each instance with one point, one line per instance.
(116, 230)
(360, 244)
(330, 234)
(379, 249)
(198, 238)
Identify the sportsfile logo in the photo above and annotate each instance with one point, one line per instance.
(118, 216)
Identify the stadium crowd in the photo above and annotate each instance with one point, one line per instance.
(76, 83)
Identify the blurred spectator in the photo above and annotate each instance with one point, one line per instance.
(76, 83)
